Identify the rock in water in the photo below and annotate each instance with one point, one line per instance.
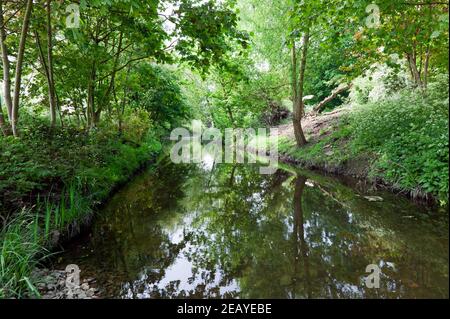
(374, 198)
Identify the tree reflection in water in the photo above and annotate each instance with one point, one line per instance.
(225, 231)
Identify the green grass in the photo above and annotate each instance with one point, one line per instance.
(331, 150)
(59, 175)
(20, 252)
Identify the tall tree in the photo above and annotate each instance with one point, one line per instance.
(298, 84)
(301, 17)
(12, 105)
(19, 66)
(416, 31)
(50, 76)
(318, 27)
(46, 56)
(4, 126)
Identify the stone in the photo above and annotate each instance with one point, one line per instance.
(52, 285)
(82, 295)
(374, 198)
(41, 285)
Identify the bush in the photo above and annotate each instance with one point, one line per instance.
(409, 134)
(44, 160)
(160, 95)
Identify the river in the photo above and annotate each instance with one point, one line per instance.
(226, 231)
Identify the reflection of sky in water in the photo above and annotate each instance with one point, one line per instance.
(181, 270)
(180, 273)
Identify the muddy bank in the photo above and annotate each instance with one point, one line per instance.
(357, 169)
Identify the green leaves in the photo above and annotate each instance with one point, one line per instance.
(158, 92)
(207, 32)
(410, 132)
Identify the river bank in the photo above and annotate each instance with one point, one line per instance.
(54, 190)
(331, 149)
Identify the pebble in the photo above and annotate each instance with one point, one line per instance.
(51, 284)
(374, 198)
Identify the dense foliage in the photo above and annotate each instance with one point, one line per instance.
(92, 89)
(49, 191)
(408, 132)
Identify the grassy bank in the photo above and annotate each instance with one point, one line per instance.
(401, 142)
(50, 179)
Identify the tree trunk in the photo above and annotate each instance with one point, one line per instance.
(413, 67)
(426, 68)
(106, 97)
(19, 64)
(342, 88)
(298, 89)
(50, 80)
(3, 125)
(90, 97)
(96, 118)
(47, 77)
(124, 101)
(230, 116)
(6, 66)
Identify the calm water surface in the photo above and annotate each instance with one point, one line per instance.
(226, 231)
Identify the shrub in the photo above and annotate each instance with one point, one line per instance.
(409, 134)
(380, 82)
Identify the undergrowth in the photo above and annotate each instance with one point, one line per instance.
(50, 179)
(405, 135)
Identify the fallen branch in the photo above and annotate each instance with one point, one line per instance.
(340, 89)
